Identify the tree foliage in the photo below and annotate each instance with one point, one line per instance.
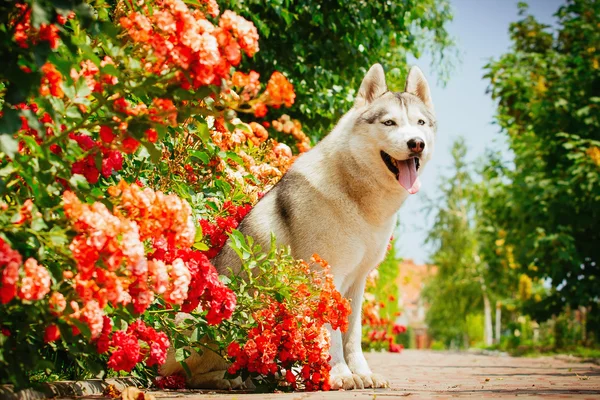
(455, 292)
(545, 203)
(325, 47)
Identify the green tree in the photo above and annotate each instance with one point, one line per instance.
(546, 200)
(325, 47)
(458, 291)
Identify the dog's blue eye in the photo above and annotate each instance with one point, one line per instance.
(389, 122)
(421, 122)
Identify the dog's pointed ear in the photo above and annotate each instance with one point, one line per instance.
(417, 85)
(372, 86)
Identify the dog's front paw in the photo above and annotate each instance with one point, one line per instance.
(215, 380)
(373, 381)
(346, 381)
(230, 384)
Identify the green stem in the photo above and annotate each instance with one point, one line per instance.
(160, 311)
(80, 125)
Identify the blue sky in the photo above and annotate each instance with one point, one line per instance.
(462, 106)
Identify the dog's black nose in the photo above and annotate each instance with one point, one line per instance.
(416, 145)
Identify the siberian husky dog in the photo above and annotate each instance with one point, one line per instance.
(340, 200)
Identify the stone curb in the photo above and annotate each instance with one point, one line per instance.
(68, 388)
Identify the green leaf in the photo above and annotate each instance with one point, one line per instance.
(198, 236)
(186, 368)
(83, 328)
(7, 169)
(224, 279)
(69, 91)
(235, 157)
(83, 90)
(195, 336)
(73, 112)
(203, 130)
(32, 120)
(212, 205)
(200, 246)
(8, 145)
(110, 70)
(38, 224)
(200, 155)
(9, 123)
(225, 187)
(57, 238)
(155, 153)
(181, 354)
(38, 15)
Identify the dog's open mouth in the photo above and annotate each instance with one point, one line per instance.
(405, 171)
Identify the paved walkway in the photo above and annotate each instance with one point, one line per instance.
(442, 375)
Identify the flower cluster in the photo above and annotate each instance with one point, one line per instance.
(157, 215)
(379, 330)
(115, 140)
(288, 338)
(36, 282)
(294, 128)
(205, 288)
(90, 73)
(217, 231)
(109, 250)
(32, 284)
(279, 342)
(104, 155)
(51, 81)
(383, 339)
(10, 263)
(25, 34)
(247, 85)
(112, 160)
(267, 164)
(280, 90)
(226, 140)
(26, 130)
(112, 267)
(51, 333)
(170, 382)
(332, 306)
(103, 239)
(594, 153)
(139, 343)
(178, 38)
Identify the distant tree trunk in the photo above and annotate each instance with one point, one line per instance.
(488, 333)
(498, 322)
(583, 325)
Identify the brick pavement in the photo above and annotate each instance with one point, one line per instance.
(443, 375)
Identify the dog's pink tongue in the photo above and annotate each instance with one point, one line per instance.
(407, 175)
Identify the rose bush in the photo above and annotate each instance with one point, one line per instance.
(123, 169)
(277, 335)
(380, 307)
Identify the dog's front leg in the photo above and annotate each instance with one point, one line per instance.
(353, 353)
(340, 377)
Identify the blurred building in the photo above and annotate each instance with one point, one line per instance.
(411, 281)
